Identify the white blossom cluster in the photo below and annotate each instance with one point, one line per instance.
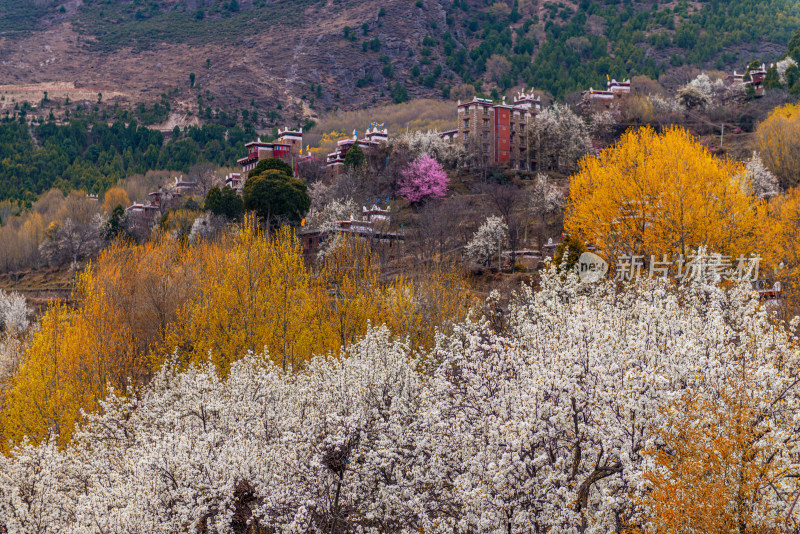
(562, 136)
(703, 92)
(759, 180)
(14, 312)
(543, 428)
(545, 196)
(431, 143)
(486, 241)
(703, 83)
(666, 104)
(782, 65)
(602, 122)
(323, 218)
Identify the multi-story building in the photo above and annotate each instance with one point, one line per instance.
(142, 216)
(501, 132)
(184, 187)
(375, 135)
(614, 91)
(287, 147)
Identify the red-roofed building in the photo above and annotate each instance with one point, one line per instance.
(756, 79)
(287, 147)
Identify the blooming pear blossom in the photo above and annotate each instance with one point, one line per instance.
(545, 426)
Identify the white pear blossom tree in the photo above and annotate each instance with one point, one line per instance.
(759, 180)
(781, 67)
(562, 137)
(486, 241)
(14, 312)
(545, 197)
(548, 426)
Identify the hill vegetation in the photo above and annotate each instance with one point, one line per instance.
(93, 156)
(345, 54)
(555, 46)
(217, 374)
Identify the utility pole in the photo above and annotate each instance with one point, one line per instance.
(722, 135)
(499, 252)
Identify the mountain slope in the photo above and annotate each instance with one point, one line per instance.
(287, 60)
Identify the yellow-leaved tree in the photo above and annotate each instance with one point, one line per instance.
(79, 351)
(252, 295)
(782, 256)
(777, 140)
(258, 294)
(116, 196)
(714, 471)
(655, 194)
(138, 305)
(349, 276)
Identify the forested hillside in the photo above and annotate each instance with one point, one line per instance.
(479, 49)
(555, 46)
(297, 58)
(93, 156)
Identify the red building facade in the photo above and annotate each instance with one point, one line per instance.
(502, 137)
(499, 131)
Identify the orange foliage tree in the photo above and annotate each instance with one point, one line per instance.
(259, 295)
(782, 255)
(78, 353)
(252, 297)
(116, 196)
(654, 194)
(715, 468)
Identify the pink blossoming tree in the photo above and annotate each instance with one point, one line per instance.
(424, 178)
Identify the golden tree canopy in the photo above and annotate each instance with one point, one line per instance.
(654, 194)
(116, 196)
(777, 139)
(212, 300)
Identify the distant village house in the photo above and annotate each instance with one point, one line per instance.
(614, 92)
(375, 135)
(755, 79)
(372, 226)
